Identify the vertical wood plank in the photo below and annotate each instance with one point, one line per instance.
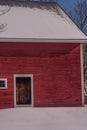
(82, 72)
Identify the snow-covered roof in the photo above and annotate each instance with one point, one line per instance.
(42, 21)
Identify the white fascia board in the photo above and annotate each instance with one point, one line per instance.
(35, 40)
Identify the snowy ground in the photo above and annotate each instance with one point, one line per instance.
(43, 119)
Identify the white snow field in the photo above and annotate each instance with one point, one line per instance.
(26, 22)
(43, 118)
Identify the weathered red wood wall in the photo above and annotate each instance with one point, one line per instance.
(55, 67)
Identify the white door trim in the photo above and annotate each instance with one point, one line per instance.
(32, 94)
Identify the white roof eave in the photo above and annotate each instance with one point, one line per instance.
(35, 40)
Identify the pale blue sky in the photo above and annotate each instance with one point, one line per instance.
(67, 4)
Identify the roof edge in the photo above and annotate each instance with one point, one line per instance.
(69, 18)
(35, 40)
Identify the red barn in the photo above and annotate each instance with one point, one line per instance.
(40, 57)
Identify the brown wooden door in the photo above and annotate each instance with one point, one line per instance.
(23, 90)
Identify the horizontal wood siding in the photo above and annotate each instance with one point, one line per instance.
(57, 78)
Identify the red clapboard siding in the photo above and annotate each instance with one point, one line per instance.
(55, 68)
(34, 49)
